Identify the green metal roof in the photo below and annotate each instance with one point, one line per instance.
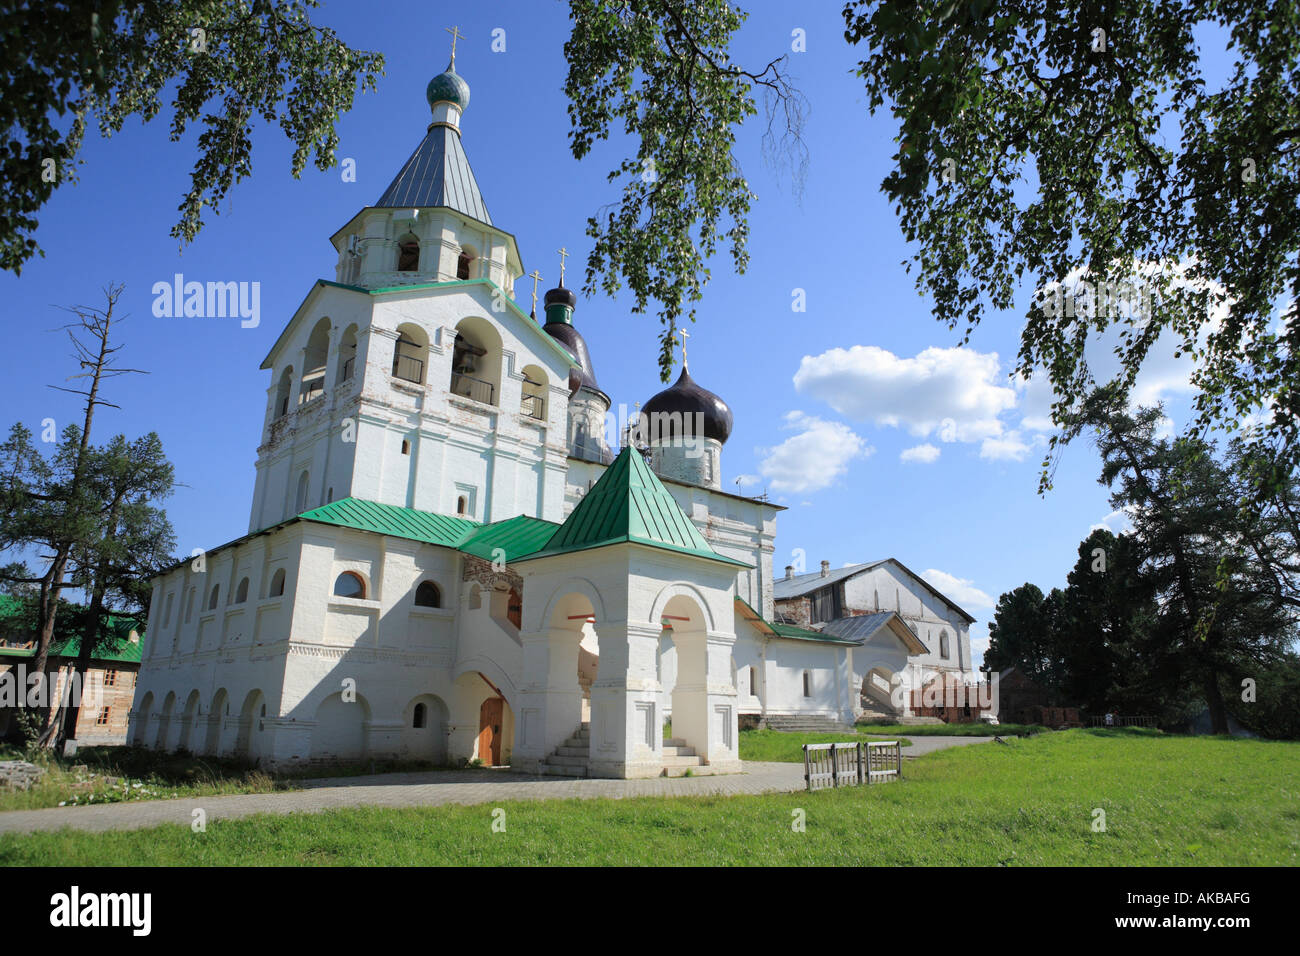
(516, 537)
(122, 650)
(630, 505)
(391, 519)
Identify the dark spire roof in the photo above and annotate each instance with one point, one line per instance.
(684, 398)
(437, 174)
(560, 304)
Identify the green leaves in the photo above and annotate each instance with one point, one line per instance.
(1058, 117)
(662, 72)
(231, 63)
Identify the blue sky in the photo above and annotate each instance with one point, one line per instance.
(861, 414)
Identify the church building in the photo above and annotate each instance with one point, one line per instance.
(454, 554)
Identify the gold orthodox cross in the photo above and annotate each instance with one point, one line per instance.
(684, 335)
(536, 277)
(455, 35)
(564, 254)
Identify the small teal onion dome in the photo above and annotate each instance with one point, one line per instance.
(448, 87)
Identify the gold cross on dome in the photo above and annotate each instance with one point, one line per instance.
(684, 335)
(564, 254)
(455, 35)
(536, 277)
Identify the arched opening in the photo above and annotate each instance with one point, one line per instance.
(533, 400)
(686, 653)
(348, 354)
(428, 595)
(515, 608)
(575, 649)
(300, 498)
(807, 684)
(425, 734)
(220, 704)
(282, 392)
(277, 583)
(340, 732)
(349, 584)
(406, 447)
(188, 718)
(409, 353)
(408, 254)
(140, 730)
(212, 598)
(241, 592)
(315, 359)
(944, 650)
(476, 361)
(164, 721)
(462, 506)
(467, 263)
(251, 739)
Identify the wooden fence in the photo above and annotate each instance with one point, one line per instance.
(849, 765)
(1119, 720)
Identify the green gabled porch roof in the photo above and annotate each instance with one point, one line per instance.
(516, 537)
(395, 520)
(630, 505)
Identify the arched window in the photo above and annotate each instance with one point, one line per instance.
(462, 506)
(476, 361)
(428, 595)
(300, 500)
(167, 614)
(807, 684)
(408, 254)
(241, 592)
(465, 263)
(753, 681)
(406, 447)
(189, 605)
(315, 358)
(532, 401)
(282, 392)
(348, 354)
(212, 598)
(943, 644)
(418, 719)
(277, 583)
(409, 354)
(349, 585)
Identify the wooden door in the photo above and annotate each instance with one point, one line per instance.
(489, 731)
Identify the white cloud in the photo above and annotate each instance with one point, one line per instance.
(957, 394)
(920, 454)
(1116, 522)
(814, 458)
(962, 591)
(1008, 447)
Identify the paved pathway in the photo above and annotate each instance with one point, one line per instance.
(432, 788)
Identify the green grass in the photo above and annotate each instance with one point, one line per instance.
(975, 729)
(786, 747)
(1174, 801)
(99, 775)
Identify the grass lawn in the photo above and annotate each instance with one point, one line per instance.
(788, 747)
(975, 729)
(1168, 801)
(117, 774)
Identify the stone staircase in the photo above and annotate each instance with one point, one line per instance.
(807, 723)
(571, 757)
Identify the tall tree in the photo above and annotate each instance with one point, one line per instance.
(53, 505)
(134, 542)
(232, 61)
(1216, 605)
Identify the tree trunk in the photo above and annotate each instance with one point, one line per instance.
(1214, 699)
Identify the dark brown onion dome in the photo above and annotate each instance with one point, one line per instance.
(679, 404)
(560, 304)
